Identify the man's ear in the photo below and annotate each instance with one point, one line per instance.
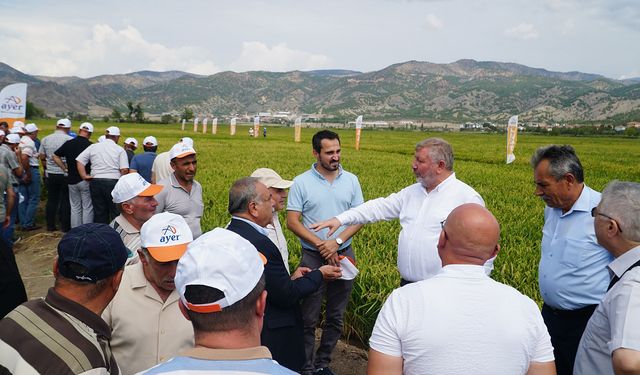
(183, 309)
(117, 278)
(56, 271)
(570, 179)
(495, 251)
(261, 304)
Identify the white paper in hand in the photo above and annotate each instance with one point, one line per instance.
(349, 270)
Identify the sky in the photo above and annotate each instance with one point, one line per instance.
(90, 38)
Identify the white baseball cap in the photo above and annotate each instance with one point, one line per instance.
(17, 129)
(18, 123)
(166, 236)
(180, 150)
(223, 260)
(113, 130)
(131, 140)
(13, 138)
(2, 133)
(187, 140)
(64, 122)
(150, 140)
(101, 138)
(270, 178)
(133, 185)
(87, 126)
(30, 128)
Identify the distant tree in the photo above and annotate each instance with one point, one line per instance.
(631, 131)
(105, 118)
(34, 112)
(116, 115)
(138, 113)
(131, 109)
(167, 119)
(187, 114)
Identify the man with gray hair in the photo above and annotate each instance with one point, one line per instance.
(251, 209)
(611, 342)
(572, 274)
(420, 207)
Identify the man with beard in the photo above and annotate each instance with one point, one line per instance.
(182, 194)
(320, 193)
(421, 208)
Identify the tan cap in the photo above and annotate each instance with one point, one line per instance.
(270, 178)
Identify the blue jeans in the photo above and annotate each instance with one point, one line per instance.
(31, 194)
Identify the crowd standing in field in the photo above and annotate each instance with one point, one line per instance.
(225, 300)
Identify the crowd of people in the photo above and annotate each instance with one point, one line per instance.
(140, 289)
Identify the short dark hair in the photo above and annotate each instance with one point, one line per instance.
(562, 160)
(236, 316)
(316, 141)
(242, 192)
(150, 148)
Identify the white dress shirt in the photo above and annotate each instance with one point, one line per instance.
(461, 322)
(107, 159)
(274, 232)
(420, 215)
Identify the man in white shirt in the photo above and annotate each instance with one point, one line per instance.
(461, 321)
(420, 207)
(278, 188)
(108, 163)
(611, 341)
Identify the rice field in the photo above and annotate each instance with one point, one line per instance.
(383, 165)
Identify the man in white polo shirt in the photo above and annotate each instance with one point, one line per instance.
(460, 321)
(146, 323)
(182, 194)
(134, 197)
(419, 207)
(108, 163)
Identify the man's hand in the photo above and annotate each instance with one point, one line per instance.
(327, 248)
(87, 177)
(334, 260)
(7, 221)
(299, 272)
(333, 224)
(330, 272)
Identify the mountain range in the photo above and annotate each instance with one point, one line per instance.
(465, 90)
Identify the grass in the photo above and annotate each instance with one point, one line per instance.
(383, 167)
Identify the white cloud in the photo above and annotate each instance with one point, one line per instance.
(633, 74)
(89, 51)
(524, 31)
(434, 23)
(279, 58)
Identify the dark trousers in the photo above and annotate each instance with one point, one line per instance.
(104, 210)
(337, 296)
(58, 202)
(566, 328)
(12, 292)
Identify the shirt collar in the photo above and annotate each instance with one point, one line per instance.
(315, 171)
(254, 225)
(126, 225)
(78, 311)
(470, 271)
(583, 203)
(447, 181)
(257, 352)
(624, 261)
(138, 280)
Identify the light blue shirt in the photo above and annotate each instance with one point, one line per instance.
(260, 229)
(318, 200)
(573, 267)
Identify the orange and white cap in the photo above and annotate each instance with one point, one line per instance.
(223, 260)
(165, 236)
(133, 185)
(180, 150)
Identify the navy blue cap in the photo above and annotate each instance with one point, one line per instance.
(90, 253)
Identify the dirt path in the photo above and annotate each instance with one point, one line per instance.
(35, 254)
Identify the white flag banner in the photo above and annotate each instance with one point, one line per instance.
(204, 125)
(13, 103)
(358, 131)
(183, 122)
(256, 126)
(232, 126)
(214, 126)
(297, 129)
(512, 137)
(195, 124)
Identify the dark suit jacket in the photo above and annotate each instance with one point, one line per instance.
(282, 331)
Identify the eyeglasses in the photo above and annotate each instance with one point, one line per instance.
(594, 212)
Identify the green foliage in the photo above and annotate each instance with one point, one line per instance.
(383, 166)
(34, 112)
(187, 114)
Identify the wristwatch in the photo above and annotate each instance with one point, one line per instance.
(339, 241)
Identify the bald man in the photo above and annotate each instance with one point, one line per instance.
(461, 321)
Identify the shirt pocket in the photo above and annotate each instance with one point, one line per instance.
(574, 251)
